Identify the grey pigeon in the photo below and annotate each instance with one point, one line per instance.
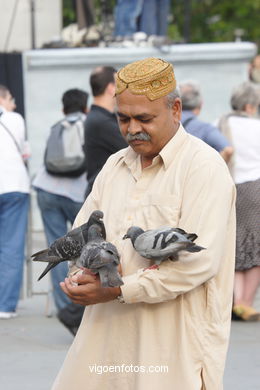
(69, 246)
(162, 243)
(101, 257)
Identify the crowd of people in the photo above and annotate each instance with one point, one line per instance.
(149, 161)
(150, 17)
(120, 23)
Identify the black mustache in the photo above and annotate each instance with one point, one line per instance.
(139, 136)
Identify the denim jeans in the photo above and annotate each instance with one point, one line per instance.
(154, 17)
(13, 227)
(57, 211)
(126, 14)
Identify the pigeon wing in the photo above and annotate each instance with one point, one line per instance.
(111, 248)
(154, 239)
(66, 248)
(89, 255)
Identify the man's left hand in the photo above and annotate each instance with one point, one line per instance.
(86, 289)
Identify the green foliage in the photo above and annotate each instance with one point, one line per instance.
(218, 20)
(209, 20)
(69, 15)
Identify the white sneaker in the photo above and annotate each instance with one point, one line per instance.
(6, 315)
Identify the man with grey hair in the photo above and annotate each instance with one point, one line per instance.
(191, 106)
(167, 326)
(245, 98)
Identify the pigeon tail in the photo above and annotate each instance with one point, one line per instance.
(191, 236)
(115, 280)
(47, 259)
(43, 251)
(195, 248)
(47, 269)
(110, 277)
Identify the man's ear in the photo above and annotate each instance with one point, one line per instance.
(111, 89)
(176, 109)
(250, 109)
(2, 101)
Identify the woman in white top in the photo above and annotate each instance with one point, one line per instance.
(14, 203)
(242, 127)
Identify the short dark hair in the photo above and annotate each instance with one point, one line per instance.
(74, 100)
(3, 91)
(100, 78)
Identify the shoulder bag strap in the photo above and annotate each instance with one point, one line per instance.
(13, 138)
(16, 143)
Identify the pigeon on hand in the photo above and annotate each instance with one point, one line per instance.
(163, 243)
(69, 246)
(101, 257)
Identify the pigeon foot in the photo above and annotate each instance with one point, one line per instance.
(154, 266)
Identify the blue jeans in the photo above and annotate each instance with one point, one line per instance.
(57, 211)
(126, 14)
(154, 17)
(13, 227)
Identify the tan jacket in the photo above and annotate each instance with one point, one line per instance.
(177, 316)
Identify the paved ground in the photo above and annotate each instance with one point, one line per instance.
(33, 346)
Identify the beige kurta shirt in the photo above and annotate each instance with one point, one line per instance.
(173, 331)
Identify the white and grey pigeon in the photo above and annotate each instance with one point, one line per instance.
(101, 257)
(163, 243)
(69, 247)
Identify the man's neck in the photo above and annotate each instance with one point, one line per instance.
(105, 102)
(146, 161)
(196, 111)
(3, 109)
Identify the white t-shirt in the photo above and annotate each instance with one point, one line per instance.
(245, 134)
(13, 174)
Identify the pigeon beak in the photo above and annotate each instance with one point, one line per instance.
(125, 237)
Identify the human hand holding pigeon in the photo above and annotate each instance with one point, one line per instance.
(86, 289)
(100, 256)
(163, 243)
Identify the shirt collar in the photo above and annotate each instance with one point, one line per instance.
(2, 109)
(170, 150)
(166, 155)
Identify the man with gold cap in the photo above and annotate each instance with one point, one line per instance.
(164, 328)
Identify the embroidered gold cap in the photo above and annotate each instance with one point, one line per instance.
(152, 77)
